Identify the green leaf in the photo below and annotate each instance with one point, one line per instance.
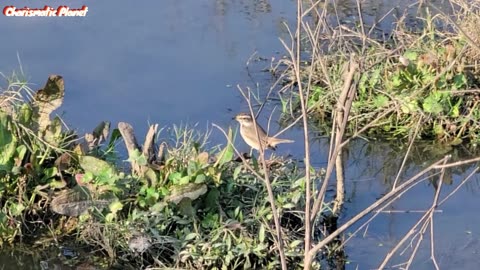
(229, 242)
(175, 177)
(236, 172)
(432, 105)
(95, 165)
(212, 197)
(380, 101)
(138, 157)
(299, 183)
(151, 176)
(184, 180)
(261, 234)
(411, 55)
(25, 114)
(7, 143)
(200, 178)
(191, 236)
(115, 206)
(295, 243)
(87, 177)
(110, 217)
(226, 154)
(396, 80)
(236, 212)
(49, 173)
(362, 84)
(288, 206)
(17, 209)
(459, 81)
(455, 111)
(57, 184)
(21, 151)
(375, 78)
(409, 106)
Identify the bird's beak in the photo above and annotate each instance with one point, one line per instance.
(234, 118)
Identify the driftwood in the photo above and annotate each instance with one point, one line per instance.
(45, 101)
(148, 151)
(131, 143)
(148, 146)
(99, 135)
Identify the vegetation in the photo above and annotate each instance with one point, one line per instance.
(426, 76)
(182, 205)
(185, 206)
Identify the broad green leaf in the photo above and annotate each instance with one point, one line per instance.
(409, 106)
(110, 217)
(95, 165)
(375, 78)
(184, 180)
(17, 209)
(21, 151)
(25, 114)
(191, 236)
(192, 167)
(432, 105)
(200, 178)
(7, 143)
(115, 206)
(438, 129)
(49, 173)
(459, 81)
(175, 177)
(380, 101)
(57, 184)
(288, 206)
(411, 55)
(191, 191)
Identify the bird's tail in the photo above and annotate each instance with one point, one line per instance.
(272, 142)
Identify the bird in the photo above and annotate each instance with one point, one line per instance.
(249, 135)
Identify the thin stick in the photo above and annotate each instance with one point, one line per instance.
(381, 209)
(309, 258)
(301, 94)
(268, 185)
(338, 144)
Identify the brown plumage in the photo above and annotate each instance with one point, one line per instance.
(247, 130)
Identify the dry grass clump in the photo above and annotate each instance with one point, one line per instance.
(470, 24)
(419, 73)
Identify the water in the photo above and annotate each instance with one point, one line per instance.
(172, 62)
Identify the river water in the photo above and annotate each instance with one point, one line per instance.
(173, 62)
